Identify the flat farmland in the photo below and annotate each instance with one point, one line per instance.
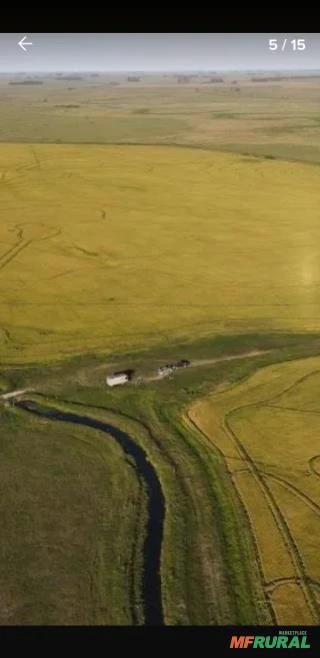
(268, 431)
(64, 557)
(275, 118)
(115, 247)
(146, 219)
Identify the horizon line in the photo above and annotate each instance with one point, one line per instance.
(153, 71)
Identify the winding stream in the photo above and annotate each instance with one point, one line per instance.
(151, 579)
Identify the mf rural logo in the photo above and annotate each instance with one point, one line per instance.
(283, 640)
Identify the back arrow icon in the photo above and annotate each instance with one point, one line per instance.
(24, 43)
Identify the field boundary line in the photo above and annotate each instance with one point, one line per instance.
(280, 520)
(276, 511)
(292, 386)
(211, 443)
(295, 491)
(296, 409)
(277, 582)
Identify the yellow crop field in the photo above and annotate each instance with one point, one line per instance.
(268, 431)
(281, 600)
(273, 554)
(118, 247)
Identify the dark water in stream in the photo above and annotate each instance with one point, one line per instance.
(151, 580)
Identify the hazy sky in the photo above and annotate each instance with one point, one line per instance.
(156, 52)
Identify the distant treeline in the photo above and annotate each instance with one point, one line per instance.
(184, 79)
(216, 79)
(279, 78)
(26, 82)
(68, 77)
(68, 107)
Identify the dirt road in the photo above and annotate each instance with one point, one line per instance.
(15, 394)
(230, 357)
(197, 363)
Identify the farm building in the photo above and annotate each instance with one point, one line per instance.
(117, 378)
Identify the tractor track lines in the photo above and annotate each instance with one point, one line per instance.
(11, 188)
(22, 243)
(291, 387)
(7, 336)
(13, 254)
(296, 492)
(86, 252)
(35, 157)
(296, 409)
(49, 236)
(311, 461)
(61, 274)
(279, 518)
(18, 229)
(302, 578)
(277, 582)
(244, 509)
(9, 251)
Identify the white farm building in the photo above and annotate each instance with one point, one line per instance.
(117, 378)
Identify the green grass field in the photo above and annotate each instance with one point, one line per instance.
(270, 118)
(208, 555)
(203, 546)
(65, 558)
